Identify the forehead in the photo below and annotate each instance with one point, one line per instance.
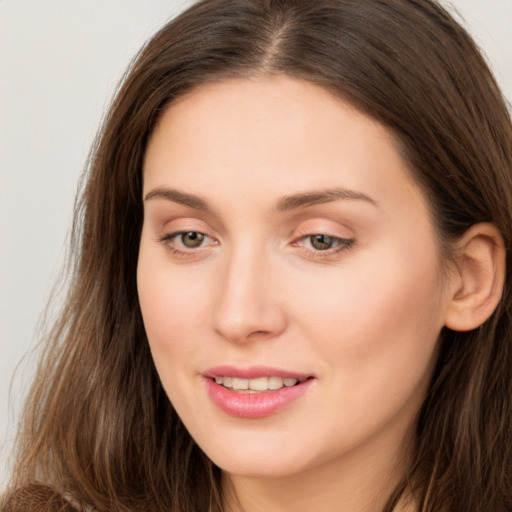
(279, 134)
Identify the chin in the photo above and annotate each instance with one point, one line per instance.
(270, 469)
(265, 457)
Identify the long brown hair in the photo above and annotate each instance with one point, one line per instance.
(98, 425)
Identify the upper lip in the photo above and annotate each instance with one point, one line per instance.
(253, 372)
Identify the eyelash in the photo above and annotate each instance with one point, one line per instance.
(341, 244)
(185, 252)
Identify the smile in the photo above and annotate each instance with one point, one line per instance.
(256, 392)
(258, 385)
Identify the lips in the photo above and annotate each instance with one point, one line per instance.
(255, 392)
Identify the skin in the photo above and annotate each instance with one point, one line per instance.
(363, 318)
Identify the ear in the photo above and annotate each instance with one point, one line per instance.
(476, 285)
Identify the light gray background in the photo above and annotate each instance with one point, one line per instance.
(60, 61)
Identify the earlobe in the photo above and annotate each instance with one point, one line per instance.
(477, 281)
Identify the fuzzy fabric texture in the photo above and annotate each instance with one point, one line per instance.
(37, 498)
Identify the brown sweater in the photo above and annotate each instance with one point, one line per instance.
(36, 498)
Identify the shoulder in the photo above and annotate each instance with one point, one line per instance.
(36, 498)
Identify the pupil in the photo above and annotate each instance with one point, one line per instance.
(321, 242)
(192, 239)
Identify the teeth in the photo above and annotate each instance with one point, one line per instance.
(275, 383)
(240, 383)
(259, 384)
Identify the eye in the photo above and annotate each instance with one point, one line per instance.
(322, 245)
(191, 239)
(323, 242)
(185, 241)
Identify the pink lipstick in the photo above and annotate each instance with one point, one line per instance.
(255, 392)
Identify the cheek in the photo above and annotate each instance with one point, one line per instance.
(172, 306)
(377, 323)
(393, 290)
(172, 311)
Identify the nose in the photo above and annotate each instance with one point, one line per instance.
(247, 306)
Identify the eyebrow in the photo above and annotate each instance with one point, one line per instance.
(190, 200)
(287, 203)
(306, 199)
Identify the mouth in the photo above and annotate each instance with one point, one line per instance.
(255, 392)
(259, 384)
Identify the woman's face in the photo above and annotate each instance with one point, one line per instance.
(285, 249)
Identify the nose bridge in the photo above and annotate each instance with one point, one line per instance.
(246, 306)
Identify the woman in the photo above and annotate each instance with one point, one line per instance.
(290, 287)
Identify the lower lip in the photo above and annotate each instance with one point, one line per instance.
(255, 405)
